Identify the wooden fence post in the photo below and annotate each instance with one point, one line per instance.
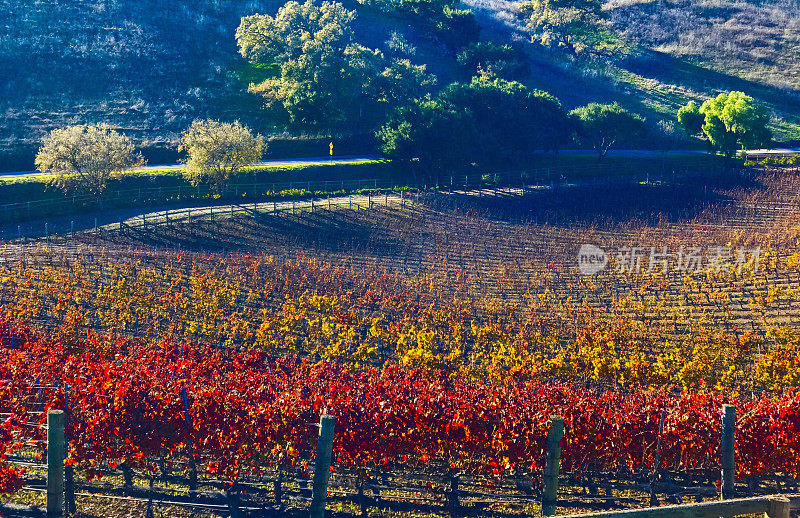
(278, 489)
(551, 466)
(657, 460)
(233, 498)
(322, 466)
(727, 451)
(69, 482)
(362, 501)
(779, 507)
(149, 510)
(452, 496)
(192, 467)
(55, 462)
(362, 481)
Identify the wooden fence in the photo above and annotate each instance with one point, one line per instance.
(778, 506)
(61, 493)
(598, 173)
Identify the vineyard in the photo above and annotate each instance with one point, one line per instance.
(442, 335)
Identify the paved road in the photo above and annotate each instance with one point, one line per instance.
(349, 159)
(776, 151)
(277, 162)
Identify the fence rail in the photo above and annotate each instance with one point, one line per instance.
(541, 177)
(770, 506)
(27, 210)
(261, 198)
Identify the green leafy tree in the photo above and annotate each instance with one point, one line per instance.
(431, 137)
(398, 46)
(324, 73)
(735, 119)
(327, 80)
(486, 57)
(452, 25)
(457, 27)
(606, 125)
(691, 119)
(85, 157)
(488, 121)
(401, 81)
(511, 118)
(552, 127)
(217, 150)
(572, 25)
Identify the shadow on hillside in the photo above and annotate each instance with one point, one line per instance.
(672, 70)
(604, 204)
(322, 231)
(403, 235)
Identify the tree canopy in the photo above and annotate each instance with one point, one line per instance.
(402, 80)
(735, 119)
(572, 25)
(84, 157)
(485, 57)
(511, 118)
(326, 78)
(606, 125)
(691, 119)
(430, 135)
(729, 120)
(323, 72)
(217, 150)
(451, 24)
(487, 121)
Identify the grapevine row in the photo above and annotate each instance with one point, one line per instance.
(251, 411)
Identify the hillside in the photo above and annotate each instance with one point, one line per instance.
(676, 51)
(758, 43)
(694, 49)
(147, 66)
(151, 67)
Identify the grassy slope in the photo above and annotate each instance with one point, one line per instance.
(147, 66)
(693, 49)
(680, 50)
(151, 67)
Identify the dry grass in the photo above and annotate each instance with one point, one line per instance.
(759, 43)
